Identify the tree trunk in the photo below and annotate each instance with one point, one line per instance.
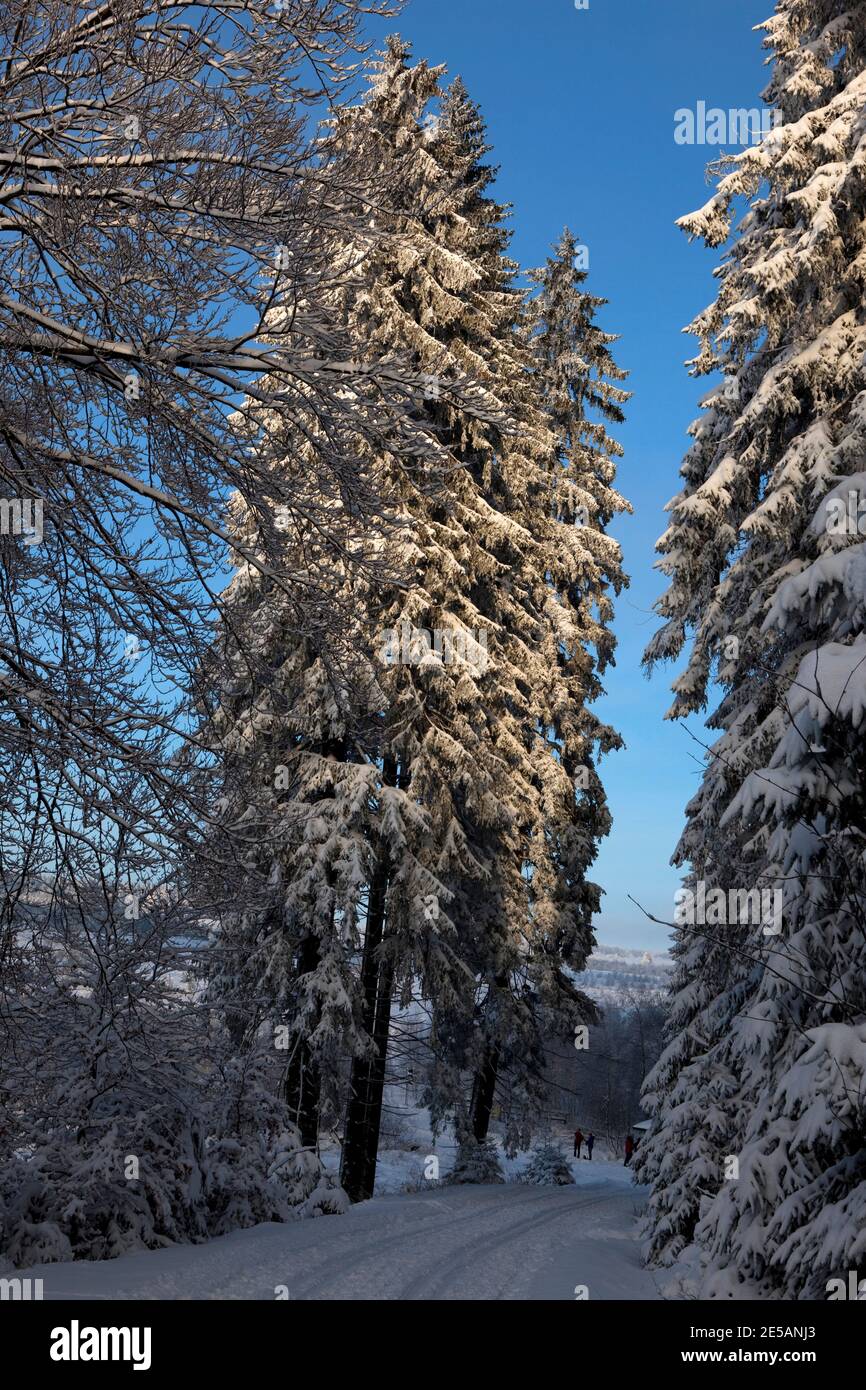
(364, 1107)
(302, 1083)
(483, 1091)
(376, 1080)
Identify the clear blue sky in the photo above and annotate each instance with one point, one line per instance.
(580, 109)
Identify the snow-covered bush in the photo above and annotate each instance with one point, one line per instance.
(171, 1173)
(255, 1167)
(476, 1163)
(548, 1167)
(125, 1121)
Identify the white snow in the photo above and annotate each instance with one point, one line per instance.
(510, 1242)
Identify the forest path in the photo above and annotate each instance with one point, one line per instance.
(478, 1243)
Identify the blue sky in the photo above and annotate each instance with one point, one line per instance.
(580, 110)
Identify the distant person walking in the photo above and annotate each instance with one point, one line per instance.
(578, 1140)
(629, 1150)
(590, 1140)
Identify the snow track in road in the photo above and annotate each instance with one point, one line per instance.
(468, 1263)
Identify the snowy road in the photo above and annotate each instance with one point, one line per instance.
(511, 1242)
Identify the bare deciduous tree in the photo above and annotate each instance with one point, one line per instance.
(165, 203)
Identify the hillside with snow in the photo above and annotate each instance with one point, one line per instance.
(613, 973)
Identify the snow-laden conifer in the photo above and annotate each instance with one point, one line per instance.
(476, 1162)
(764, 556)
(547, 1167)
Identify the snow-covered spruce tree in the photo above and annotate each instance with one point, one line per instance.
(419, 302)
(691, 1091)
(548, 1167)
(427, 295)
(516, 906)
(473, 805)
(305, 735)
(571, 569)
(510, 839)
(766, 561)
(296, 715)
(300, 790)
(477, 1161)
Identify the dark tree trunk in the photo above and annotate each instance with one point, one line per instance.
(483, 1092)
(302, 1083)
(376, 1080)
(364, 1107)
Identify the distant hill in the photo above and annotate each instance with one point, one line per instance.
(613, 972)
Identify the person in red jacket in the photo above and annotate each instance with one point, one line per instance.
(629, 1150)
(578, 1140)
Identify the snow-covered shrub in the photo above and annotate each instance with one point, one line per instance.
(125, 1121)
(70, 1197)
(254, 1166)
(548, 1167)
(476, 1163)
(170, 1173)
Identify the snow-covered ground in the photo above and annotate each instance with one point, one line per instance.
(498, 1242)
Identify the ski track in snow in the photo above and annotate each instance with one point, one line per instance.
(463, 1243)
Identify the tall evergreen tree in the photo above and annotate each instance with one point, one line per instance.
(425, 298)
(381, 835)
(766, 562)
(571, 570)
(295, 717)
(462, 725)
(470, 740)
